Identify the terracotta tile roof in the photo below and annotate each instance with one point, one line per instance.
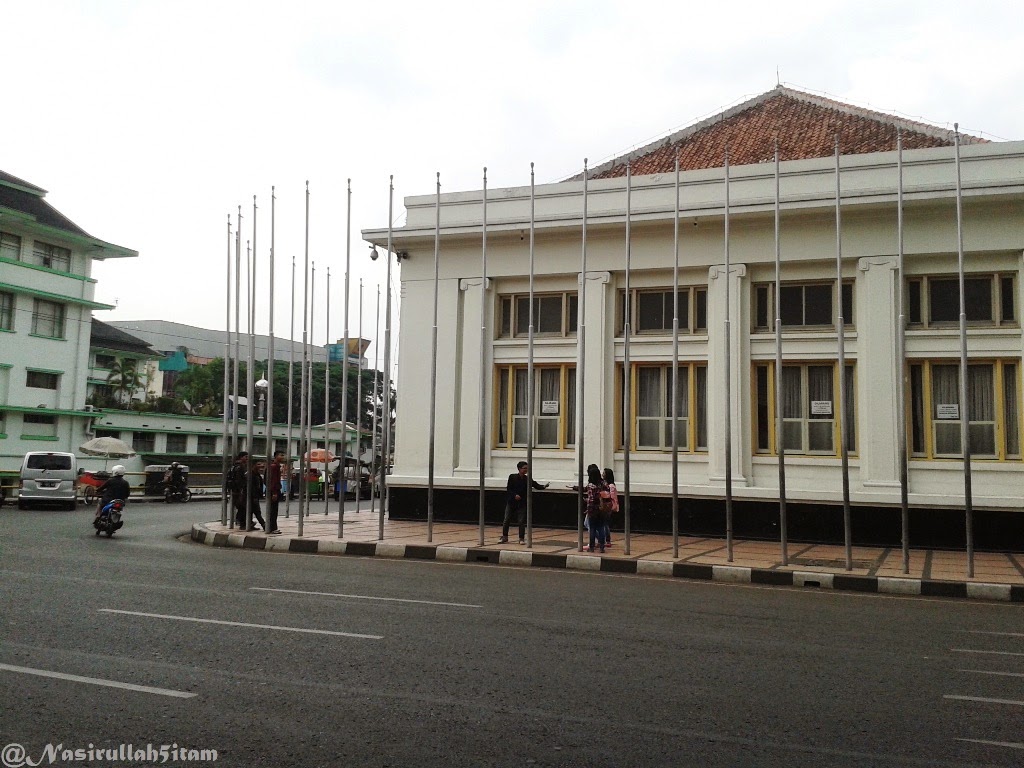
(805, 125)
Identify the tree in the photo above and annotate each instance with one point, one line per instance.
(124, 378)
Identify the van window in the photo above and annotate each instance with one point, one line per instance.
(48, 461)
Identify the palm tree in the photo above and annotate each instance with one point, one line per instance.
(124, 378)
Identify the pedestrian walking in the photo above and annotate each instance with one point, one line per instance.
(515, 501)
(609, 479)
(256, 490)
(275, 488)
(235, 484)
(599, 504)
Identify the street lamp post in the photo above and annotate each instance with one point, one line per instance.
(262, 386)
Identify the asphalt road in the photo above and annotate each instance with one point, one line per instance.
(404, 663)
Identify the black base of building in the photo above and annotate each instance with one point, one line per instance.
(810, 523)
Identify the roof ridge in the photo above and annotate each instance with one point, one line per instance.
(823, 102)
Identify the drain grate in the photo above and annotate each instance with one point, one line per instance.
(837, 563)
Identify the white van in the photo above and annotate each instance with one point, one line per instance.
(48, 477)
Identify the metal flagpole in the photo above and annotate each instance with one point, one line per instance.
(675, 370)
(225, 450)
(327, 400)
(779, 442)
(901, 361)
(529, 376)
(302, 383)
(238, 341)
(359, 397)
(728, 374)
(269, 422)
(291, 397)
(627, 310)
(482, 415)
(581, 351)
(386, 412)
(344, 367)
(309, 379)
(841, 336)
(251, 389)
(374, 464)
(433, 368)
(965, 405)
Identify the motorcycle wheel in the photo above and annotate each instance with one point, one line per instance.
(97, 531)
(110, 533)
(168, 495)
(89, 495)
(186, 495)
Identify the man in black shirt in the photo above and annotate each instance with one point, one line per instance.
(114, 488)
(515, 501)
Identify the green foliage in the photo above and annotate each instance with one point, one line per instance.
(125, 379)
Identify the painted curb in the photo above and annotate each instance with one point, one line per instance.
(727, 574)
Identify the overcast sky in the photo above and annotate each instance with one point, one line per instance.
(150, 122)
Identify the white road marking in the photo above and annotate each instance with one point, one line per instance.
(1001, 634)
(991, 653)
(983, 700)
(243, 624)
(97, 681)
(989, 672)
(1007, 744)
(364, 597)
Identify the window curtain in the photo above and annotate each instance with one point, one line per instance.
(648, 407)
(981, 409)
(820, 427)
(547, 425)
(520, 423)
(503, 407)
(1012, 400)
(945, 391)
(570, 411)
(682, 408)
(702, 408)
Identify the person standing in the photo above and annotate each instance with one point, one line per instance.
(598, 506)
(257, 489)
(274, 490)
(609, 479)
(235, 484)
(515, 501)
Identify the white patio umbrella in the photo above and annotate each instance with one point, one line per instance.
(108, 448)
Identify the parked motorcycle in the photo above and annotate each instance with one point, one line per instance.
(182, 494)
(109, 519)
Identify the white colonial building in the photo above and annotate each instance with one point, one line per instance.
(875, 379)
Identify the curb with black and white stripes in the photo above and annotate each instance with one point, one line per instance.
(723, 573)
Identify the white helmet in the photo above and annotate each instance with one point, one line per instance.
(118, 470)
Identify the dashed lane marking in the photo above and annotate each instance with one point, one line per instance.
(1007, 744)
(983, 700)
(244, 624)
(988, 653)
(364, 597)
(97, 681)
(990, 672)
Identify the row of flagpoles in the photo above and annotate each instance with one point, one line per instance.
(231, 397)
(844, 426)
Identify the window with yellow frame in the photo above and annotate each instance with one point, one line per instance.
(651, 407)
(554, 406)
(810, 408)
(993, 409)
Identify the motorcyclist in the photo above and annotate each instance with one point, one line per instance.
(176, 480)
(114, 488)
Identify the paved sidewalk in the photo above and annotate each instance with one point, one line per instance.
(997, 576)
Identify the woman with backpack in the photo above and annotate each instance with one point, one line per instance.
(599, 505)
(609, 479)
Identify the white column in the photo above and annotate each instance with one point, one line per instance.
(740, 393)
(598, 440)
(472, 378)
(877, 371)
